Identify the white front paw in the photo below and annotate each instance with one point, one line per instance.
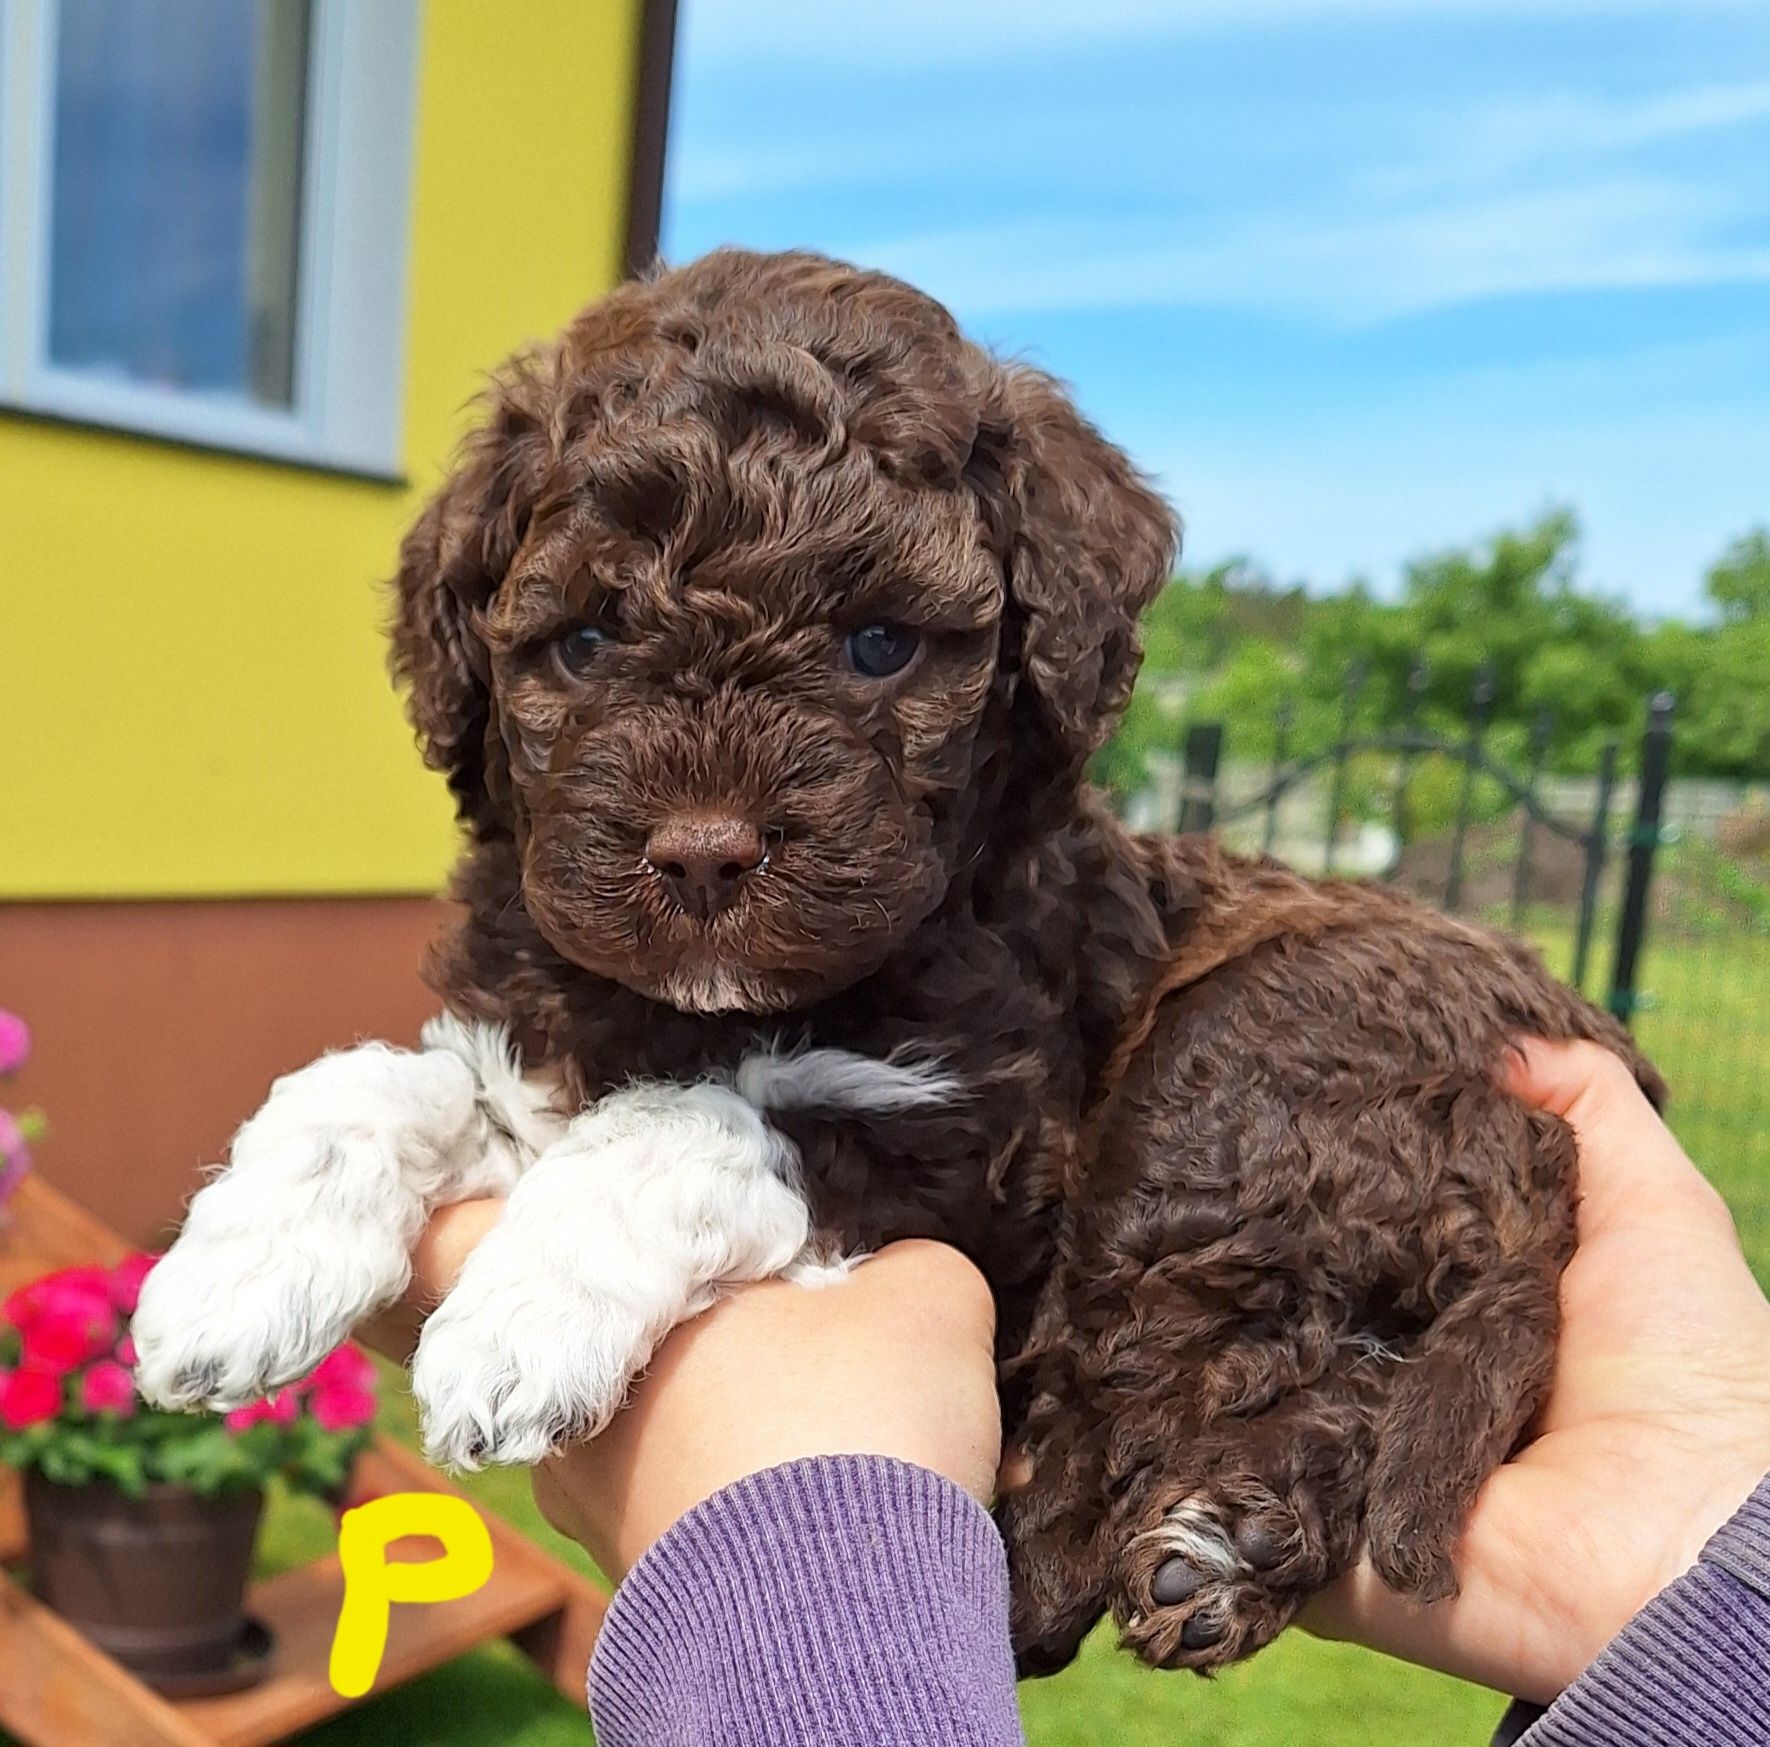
(508, 1370)
(222, 1322)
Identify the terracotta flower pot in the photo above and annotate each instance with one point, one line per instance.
(157, 1582)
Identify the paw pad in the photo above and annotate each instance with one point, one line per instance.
(1175, 1582)
(1260, 1544)
(1207, 1581)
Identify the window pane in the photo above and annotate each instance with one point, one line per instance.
(177, 180)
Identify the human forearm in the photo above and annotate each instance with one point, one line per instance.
(792, 1586)
(838, 1599)
(1692, 1666)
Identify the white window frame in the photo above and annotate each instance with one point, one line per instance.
(346, 410)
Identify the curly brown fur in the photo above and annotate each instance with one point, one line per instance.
(1276, 1261)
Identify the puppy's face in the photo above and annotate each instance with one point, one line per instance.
(735, 742)
(739, 605)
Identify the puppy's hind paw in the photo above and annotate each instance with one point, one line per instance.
(1205, 1587)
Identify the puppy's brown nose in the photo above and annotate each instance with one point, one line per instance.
(704, 858)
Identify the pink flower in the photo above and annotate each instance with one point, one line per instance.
(60, 1340)
(341, 1408)
(56, 1344)
(279, 1409)
(15, 1156)
(94, 1281)
(345, 1367)
(126, 1354)
(27, 1398)
(15, 1041)
(106, 1388)
(26, 1304)
(126, 1279)
(79, 1292)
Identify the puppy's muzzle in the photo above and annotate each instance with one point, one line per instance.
(704, 860)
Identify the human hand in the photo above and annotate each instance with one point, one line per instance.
(895, 1360)
(1657, 1426)
(437, 1258)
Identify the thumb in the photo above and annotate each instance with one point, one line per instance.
(1631, 1168)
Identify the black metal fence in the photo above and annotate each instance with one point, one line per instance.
(1204, 806)
(1648, 893)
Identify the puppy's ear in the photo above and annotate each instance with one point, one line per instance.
(451, 564)
(1085, 543)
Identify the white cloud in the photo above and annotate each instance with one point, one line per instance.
(1345, 268)
(1439, 182)
(1571, 122)
(700, 170)
(1471, 142)
(709, 172)
(917, 31)
(1659, 450)
(1485, 142)
(1658, 496)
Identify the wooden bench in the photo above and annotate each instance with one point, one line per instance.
(59, 1690)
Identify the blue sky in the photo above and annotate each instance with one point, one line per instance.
(1353, 278)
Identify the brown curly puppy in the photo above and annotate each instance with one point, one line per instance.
(764, 633)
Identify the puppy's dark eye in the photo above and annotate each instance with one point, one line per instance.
(877, 651)
(577, 648)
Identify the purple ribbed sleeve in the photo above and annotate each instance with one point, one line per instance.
(1693, 1666)
(836, 1600)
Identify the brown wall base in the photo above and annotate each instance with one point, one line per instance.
(158, 1027)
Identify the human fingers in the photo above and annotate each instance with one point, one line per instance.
(1632, 1171)
(443, 1247)
(896, 1359)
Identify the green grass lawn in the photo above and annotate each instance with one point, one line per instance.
(1705, 1020)
(1709, 1027)
(1299, 1690)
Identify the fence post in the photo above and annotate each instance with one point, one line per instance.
(1481, 698)
(1539, 745)
(1198, 793)
(1417, 675)
(1337, 793)
(1644, 839)
(1597, 849)
(1281, 751)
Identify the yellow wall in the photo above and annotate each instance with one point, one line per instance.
(193, 699)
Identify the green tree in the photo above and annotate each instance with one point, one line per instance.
(1721, 674)
(1739, 583)
(1231, 645)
